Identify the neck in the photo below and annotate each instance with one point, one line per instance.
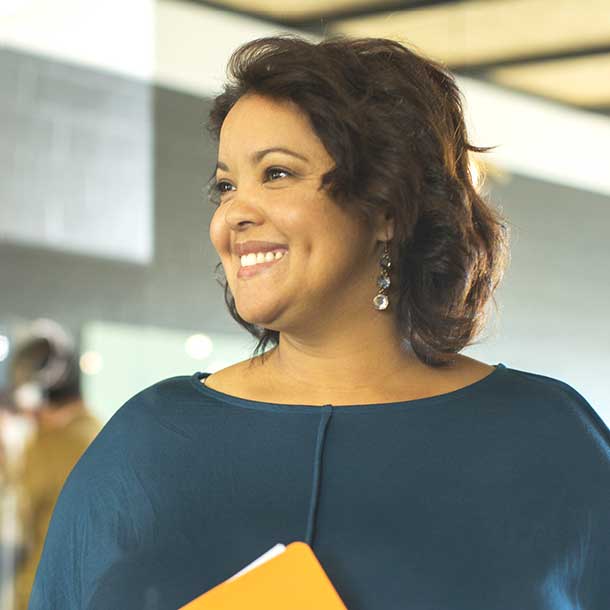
(51, 418)
(370, 363)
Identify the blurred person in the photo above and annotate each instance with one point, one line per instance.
(16, 430)
(45, 387)
(354, 244)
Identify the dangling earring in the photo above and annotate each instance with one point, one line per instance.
(381, 301)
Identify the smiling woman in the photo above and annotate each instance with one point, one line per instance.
(378, 131)
(354, 242)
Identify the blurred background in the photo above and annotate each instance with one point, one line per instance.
(107, 278)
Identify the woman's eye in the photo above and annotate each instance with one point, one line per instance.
(219, 186)
(276, 169)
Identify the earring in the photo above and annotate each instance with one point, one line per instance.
(381, 301)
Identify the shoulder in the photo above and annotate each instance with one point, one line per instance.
(164, 396)
(135, 425)
(109, 472)
(542, 386)
(172, 390)
(558, 405)
(158, 418)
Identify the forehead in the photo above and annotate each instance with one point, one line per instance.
(262, 106)
(258, 122)
(255, 116)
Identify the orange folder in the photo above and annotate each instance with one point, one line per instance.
(293, 579)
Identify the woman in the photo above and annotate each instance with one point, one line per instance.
(355, 244)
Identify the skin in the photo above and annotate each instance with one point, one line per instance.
(49, 417)
(335, 347)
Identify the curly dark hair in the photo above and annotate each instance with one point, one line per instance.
(392, 121)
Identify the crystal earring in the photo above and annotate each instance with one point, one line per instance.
(381, 301)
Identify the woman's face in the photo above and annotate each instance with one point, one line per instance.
(331, 263)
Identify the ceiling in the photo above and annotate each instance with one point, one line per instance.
(558, 50)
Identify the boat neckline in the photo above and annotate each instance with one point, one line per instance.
(463, 392)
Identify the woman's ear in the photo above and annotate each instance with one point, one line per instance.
(385, 226)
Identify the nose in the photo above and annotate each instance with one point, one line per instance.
(242, 211)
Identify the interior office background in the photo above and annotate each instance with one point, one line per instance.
(104, 159)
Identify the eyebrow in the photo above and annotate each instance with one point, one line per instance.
(259, 154)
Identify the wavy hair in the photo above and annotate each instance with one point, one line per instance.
(392, 120)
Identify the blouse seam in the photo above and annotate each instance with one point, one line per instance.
(327, 411)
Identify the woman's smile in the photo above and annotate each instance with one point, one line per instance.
(251, 270)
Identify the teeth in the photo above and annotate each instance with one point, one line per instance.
(247, 260)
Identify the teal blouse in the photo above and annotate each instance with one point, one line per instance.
(495, 496)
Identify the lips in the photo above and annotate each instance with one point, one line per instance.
(248, 247)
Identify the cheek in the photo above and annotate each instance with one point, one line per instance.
(219, 233)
